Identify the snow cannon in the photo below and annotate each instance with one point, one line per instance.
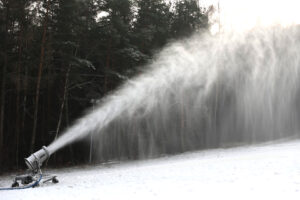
(34, 176)
(35, 160)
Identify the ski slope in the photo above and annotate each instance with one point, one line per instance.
(268, 171)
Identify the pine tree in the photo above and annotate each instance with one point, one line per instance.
(152, 26)
(188, 18)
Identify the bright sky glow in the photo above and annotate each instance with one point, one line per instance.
(240, 15)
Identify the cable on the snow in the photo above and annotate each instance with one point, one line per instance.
(25, 187)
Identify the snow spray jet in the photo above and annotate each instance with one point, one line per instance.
(206, 91)
(203, 92)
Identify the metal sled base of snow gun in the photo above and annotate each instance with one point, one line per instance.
(32, 179)
(35, 180)
(34, 175)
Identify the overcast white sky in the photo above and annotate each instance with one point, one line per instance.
(245, 14)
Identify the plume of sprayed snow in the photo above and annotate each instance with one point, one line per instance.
(207, 91)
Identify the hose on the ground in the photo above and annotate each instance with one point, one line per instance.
(25, 187)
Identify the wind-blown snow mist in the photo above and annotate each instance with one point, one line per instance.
(207, 91)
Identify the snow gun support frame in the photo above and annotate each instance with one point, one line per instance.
(34, 174)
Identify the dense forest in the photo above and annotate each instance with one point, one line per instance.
(57, 57)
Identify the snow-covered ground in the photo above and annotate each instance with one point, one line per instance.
(269, 171)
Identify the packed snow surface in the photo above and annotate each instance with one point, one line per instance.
(268, 171)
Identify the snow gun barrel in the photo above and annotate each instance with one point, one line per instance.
(35, 160)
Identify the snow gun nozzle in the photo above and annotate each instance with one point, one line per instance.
(35, 160)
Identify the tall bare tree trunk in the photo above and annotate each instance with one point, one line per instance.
(216, 137)
(37, 96)
(25, 82)
(67, 124)
(63, 101)
(17, 131)
(3, 91)
(3, 84)
(107, 65)
(182, 125)
(64, 98)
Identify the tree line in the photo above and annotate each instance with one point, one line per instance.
(58, 56)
